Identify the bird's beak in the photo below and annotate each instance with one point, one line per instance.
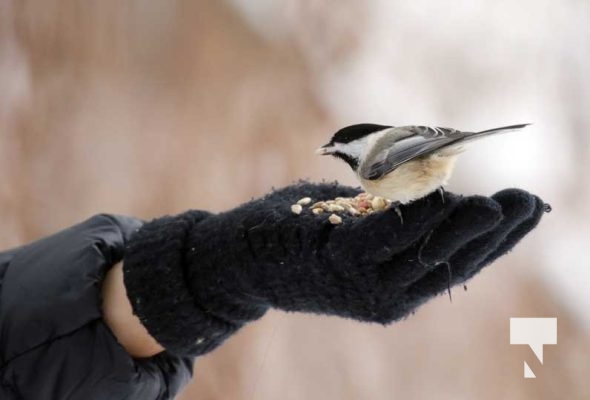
(325, 150)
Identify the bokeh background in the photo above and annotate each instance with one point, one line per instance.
(149, 108)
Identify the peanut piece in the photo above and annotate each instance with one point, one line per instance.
(335, 219)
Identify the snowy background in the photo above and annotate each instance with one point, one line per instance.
(151, 108)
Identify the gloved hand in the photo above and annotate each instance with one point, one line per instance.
(195, 278)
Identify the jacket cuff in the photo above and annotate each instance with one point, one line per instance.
(154, 276)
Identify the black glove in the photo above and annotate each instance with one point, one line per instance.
(195, 278)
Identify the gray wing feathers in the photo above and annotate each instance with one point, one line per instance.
(414, 142)
(410, 142)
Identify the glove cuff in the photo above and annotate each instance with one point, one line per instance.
(154, 277)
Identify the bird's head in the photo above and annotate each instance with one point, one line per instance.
(349, 143)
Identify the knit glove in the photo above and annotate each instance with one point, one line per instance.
(195, 278)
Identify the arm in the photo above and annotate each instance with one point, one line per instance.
(52, 320)
(118, 316)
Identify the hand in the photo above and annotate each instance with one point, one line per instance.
(374, 268)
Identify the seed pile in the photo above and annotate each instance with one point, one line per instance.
(360, 205)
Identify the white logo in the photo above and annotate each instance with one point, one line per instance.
(535, 332)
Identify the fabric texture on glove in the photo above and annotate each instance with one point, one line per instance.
(196, 278)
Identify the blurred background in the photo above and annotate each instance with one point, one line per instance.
(149, 108)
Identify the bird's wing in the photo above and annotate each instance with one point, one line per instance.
(409, 143)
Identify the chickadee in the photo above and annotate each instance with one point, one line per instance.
(402, 163)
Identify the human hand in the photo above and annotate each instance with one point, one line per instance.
(376, 268)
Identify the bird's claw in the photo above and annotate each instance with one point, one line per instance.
(441, 190)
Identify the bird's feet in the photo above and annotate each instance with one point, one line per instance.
(441, 191)
(398, 211)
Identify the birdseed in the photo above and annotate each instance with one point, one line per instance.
(304, 201)
(335, 219)
(358, 206)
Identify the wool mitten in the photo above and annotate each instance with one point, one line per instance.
(195, 278)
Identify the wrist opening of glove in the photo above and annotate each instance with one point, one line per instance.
(155, 274)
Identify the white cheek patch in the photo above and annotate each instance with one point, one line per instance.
(354, 148)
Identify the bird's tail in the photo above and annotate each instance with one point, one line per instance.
(457, 146)
(504, 129)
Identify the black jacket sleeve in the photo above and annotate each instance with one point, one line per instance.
(53, 341)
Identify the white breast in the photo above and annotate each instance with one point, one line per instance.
(412, 180)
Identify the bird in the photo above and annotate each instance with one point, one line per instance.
(404, 163)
